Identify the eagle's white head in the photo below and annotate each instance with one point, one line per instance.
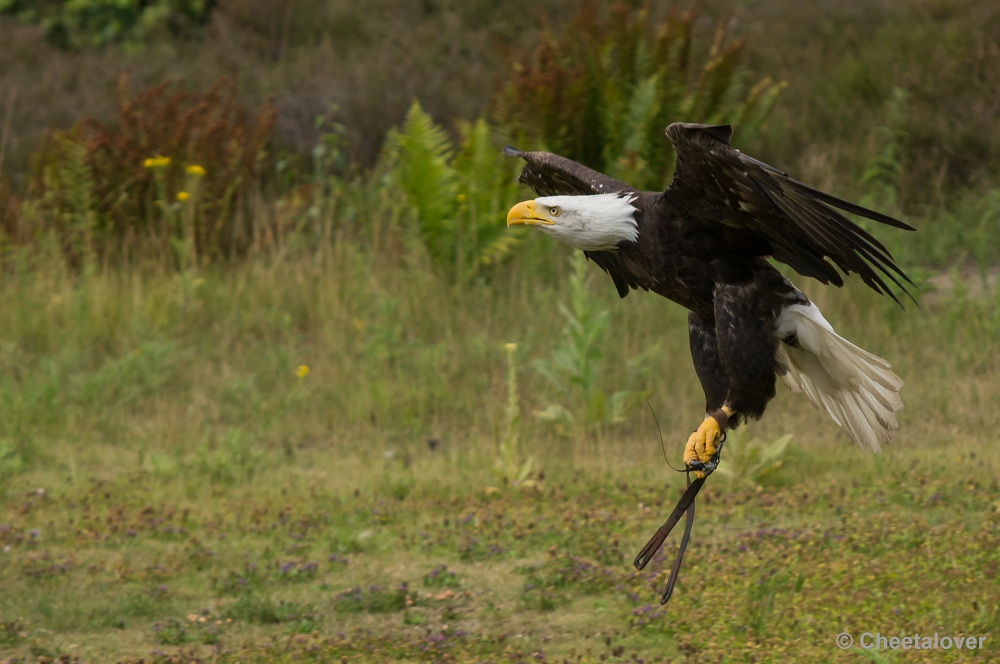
(591, 223)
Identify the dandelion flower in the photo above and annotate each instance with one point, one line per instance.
(156, 162)
(302, 371)
(183, 196)
(148, 163)
(511, 347)
(195, 170)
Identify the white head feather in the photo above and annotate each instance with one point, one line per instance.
(592, 223)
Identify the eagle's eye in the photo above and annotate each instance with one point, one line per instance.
(555, 211)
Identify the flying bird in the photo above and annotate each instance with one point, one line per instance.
(704, 243)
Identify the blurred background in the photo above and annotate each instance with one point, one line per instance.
(256, 245)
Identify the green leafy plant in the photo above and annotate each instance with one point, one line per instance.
(11, 461)
(759, 608)
(376, 600)
(233, 459)
(98, 22)
(11, 632)
(603, 90)
(68, 194)
(253, 608)
(987, 232)
(441, 577)
(754, 461)
(885, 171)
(459, 198)
(575, 367)
(510, 468)
(172, 632)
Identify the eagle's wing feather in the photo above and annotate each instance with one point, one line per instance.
(612, 263)
(716, 184)
(551, 175)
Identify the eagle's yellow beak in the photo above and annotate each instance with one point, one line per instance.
(524, 214)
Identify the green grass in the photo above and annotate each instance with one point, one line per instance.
(162, 463)
(288, 567)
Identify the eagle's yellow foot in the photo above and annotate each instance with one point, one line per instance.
(701, 444)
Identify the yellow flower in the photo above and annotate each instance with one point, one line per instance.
(302, 371)
(511, 347)
(183, 196)
(156, 162)
(461, 198)
(195, 170)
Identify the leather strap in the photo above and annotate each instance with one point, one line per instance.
(722, 417)
(675, 570)
(656, 541)
(684, 506)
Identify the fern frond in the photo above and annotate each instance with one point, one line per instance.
(487, 190)
(423, 152)
(602, 91)
(76, 179)
(750, 115)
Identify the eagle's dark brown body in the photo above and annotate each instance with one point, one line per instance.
(705, 241)
(733, 303)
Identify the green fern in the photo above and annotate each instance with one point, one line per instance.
(603, 91)
(631, 157)
(78, 185)
(69, 199)
(755, 108)
(487, 189)
(460, 199)
(425, 176)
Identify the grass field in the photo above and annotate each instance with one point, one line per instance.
(176, 488)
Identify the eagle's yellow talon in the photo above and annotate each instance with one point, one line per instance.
(701, 445)
(690, 454)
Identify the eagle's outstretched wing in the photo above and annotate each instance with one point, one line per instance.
(551, 175)
(717, 185)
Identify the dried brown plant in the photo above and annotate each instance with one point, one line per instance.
(127, 197)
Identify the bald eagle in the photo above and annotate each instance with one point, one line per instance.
(704, 243)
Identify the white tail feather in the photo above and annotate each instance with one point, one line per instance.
(857, 389)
